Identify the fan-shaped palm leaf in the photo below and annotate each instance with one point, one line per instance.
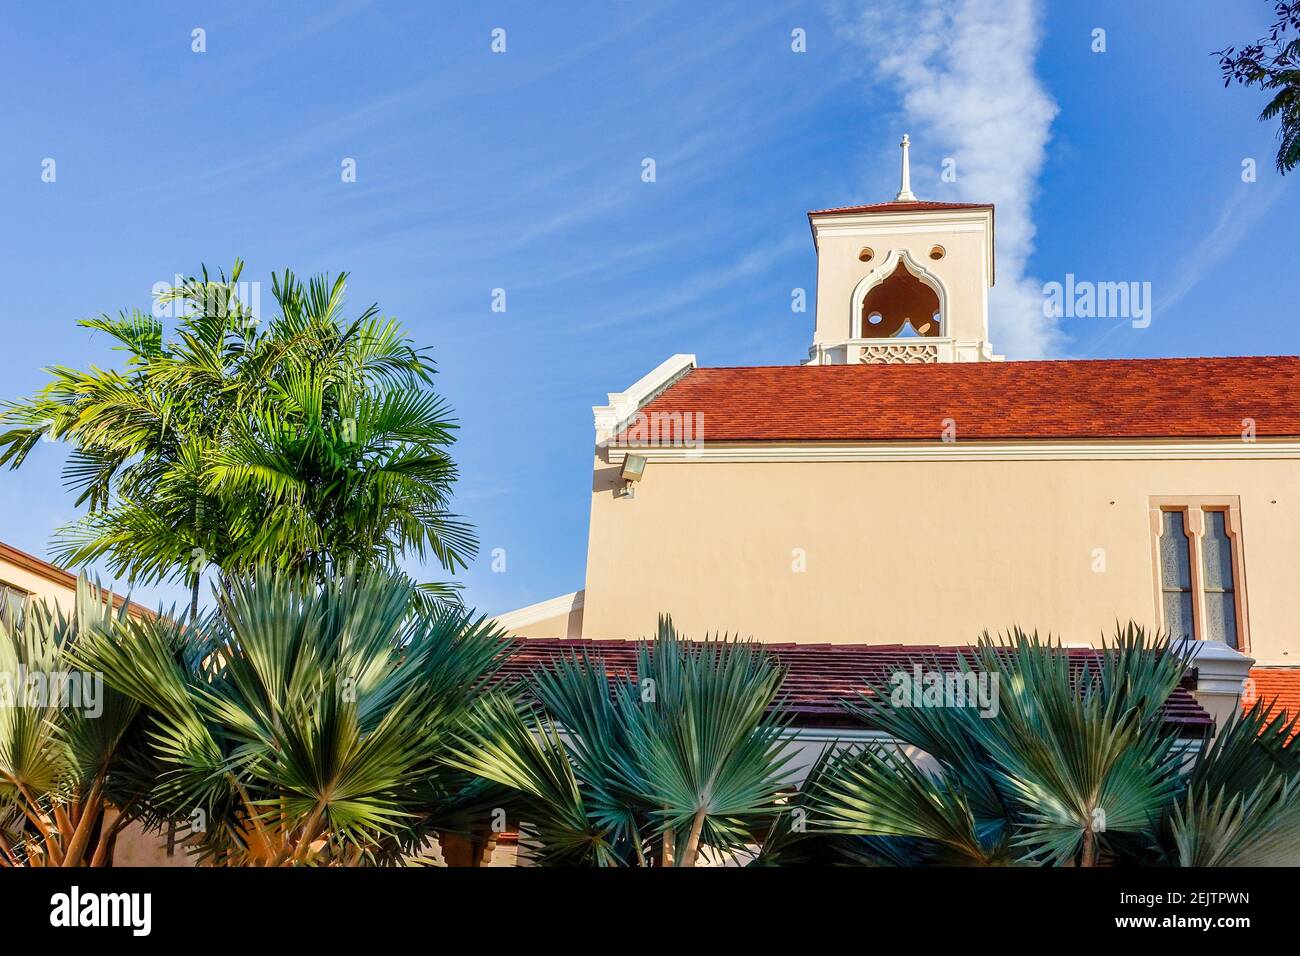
(307, 723)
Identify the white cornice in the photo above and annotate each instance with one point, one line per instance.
(554, 607)
(622, 405)
(893, 227)
(1110, 450)
(926, 218)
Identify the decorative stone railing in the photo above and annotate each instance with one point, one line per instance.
(910, 351)
(894, 352)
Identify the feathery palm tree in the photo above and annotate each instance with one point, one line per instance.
(313, 443)
(345, 447)
(684, 759)
(303, 724)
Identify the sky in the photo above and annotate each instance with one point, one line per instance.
(1112, 156)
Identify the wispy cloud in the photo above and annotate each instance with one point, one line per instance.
(965, 73)
(1240, 213)
(1242, 210)
(669, 307)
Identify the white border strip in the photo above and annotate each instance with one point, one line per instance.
(1118, 450)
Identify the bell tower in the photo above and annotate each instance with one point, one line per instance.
(903, 282)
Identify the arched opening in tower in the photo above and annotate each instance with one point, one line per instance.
(901, 306)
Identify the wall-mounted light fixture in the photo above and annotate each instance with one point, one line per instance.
(633, 467)
(633, 470)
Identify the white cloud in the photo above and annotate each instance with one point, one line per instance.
(965, 72)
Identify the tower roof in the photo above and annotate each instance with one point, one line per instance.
(920, 205)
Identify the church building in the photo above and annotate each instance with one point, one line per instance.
(903, 489)
(902, 484)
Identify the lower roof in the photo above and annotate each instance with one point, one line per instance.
(1278, 687)
(820, 678)
(1094, 399)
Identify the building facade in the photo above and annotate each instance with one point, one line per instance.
(903, 484)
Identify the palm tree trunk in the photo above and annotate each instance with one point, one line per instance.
(104, 848)
(693, 841)
(291, 852)
(63, 823)
(81, 837)
(1089, 855)
(258, 834)
(194, 614)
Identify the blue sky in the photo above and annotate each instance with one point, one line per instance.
(522, 171)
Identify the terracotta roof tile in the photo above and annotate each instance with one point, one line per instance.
(820, 677)
(1279, 687)
(1108, 398)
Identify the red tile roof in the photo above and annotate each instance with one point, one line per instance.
(1108, 398)
(820, 677)
(1278, 687)
(919, 205)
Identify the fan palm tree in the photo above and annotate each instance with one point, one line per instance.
(1074, 769)
(312, 443)
(682, 760)
(303, 724)
(71, 755)
(1240, 803)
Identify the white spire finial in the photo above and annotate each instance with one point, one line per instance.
(905, 193)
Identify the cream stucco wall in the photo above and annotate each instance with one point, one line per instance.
(43, 580)
(61, 596)
(920, 552)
